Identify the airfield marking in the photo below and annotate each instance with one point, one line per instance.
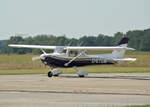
(95, 93)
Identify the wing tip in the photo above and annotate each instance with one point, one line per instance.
(10, 45)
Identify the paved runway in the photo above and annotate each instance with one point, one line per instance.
(70, 91)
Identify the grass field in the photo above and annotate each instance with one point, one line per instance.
(91, 69)
(23, 64)
(139, 106)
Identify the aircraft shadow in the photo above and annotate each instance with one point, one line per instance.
(110, 77)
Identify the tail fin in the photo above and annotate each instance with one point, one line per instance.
(122, 43)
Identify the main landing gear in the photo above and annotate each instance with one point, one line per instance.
(81, 73)
(56, 72)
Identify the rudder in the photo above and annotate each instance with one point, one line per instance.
(122, 43)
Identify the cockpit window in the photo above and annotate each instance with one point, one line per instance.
(60, 51)
(73, 53)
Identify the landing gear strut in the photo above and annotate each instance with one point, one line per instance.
(81, 73)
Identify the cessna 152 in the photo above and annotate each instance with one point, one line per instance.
(63, 57)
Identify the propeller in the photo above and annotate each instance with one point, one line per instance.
(42, 56)
(36, 58)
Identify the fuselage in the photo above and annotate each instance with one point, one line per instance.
(59, 60)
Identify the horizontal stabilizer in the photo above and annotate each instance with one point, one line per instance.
(125, 59)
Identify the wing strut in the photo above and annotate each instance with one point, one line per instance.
(74, 58)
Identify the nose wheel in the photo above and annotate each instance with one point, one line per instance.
(54, 72)
(50, 74)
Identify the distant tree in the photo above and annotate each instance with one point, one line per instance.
(139, 39)
(104, 40)
(135, 38)
(62, 41)
(117, 37)
(16, 39)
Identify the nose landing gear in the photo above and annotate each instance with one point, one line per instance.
(54, 72)
(50, 74)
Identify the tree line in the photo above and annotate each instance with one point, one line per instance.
(139, 39)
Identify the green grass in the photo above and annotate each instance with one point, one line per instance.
(137, 53)
(109, 69)
(90, 69)
(22, 71)
(23, 64)
(139, 106)
(127, 52)
(14, 61)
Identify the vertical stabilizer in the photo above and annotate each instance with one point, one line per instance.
(122, 43)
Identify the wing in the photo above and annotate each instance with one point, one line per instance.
(97, 48)
(32, 46)
(71, 47)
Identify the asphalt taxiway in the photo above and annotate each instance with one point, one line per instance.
(69, 90)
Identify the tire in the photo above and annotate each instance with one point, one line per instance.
(81, 76)
(55, 75)
(50, 74)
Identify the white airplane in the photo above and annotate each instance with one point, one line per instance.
(63, 56)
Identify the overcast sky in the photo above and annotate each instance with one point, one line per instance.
(74, 18)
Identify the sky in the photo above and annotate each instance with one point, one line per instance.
(73, 18)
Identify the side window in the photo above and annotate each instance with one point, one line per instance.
(64, 51)
(73, 53)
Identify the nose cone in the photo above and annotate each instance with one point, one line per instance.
(42, 56)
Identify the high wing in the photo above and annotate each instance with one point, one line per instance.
(98, 48)
(32, 46)
(71, 47)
